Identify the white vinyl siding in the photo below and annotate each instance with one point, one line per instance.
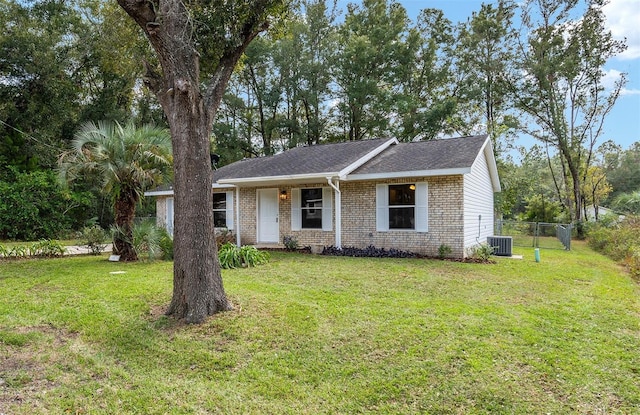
(421, 216)
(478, 203)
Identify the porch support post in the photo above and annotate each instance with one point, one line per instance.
(237, 212)
(338, 209)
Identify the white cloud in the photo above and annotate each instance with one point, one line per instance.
(623, 19)
(609, 80)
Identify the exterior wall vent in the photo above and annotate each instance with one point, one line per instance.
(502, 245)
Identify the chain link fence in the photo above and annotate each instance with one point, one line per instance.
(536, 234)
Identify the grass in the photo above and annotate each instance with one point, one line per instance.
(314, 335)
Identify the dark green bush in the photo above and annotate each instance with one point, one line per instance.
(34, 206)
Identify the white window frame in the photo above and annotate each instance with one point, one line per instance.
(228, 210)
(421, 208)
(296, 209)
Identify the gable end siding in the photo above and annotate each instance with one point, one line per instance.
(478, 203)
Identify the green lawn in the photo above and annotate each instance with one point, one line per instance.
(325, 335)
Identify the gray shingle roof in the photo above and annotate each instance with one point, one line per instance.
(450, 153)
(326, 158)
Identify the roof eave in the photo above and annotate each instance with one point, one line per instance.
(414, 173)
(274, 180)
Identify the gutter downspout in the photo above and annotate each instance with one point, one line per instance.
(237, 216)
(336, 188)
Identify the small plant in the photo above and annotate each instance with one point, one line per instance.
(94, 238)
(19, 251)
(230, 256)
(444, 251)
(46, 248)
(290, 243)
(146, 239)
(251, 256)
(4, 251)
(482, 252)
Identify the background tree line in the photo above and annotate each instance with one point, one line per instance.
(320, 75)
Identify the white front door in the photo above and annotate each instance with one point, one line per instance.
(268, 217)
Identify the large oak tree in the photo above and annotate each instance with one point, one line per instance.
(198, 44)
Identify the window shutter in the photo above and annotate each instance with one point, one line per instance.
(296, 213)
(327, 209)
(229, 210)
(382, 208)
(422, 205)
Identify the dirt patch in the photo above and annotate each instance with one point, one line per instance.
(24, 365)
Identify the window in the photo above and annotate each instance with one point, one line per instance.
(311, 209)
(223, 210)
(401, 207)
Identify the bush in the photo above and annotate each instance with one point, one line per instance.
(94, 238)
(290, 243)
(444, 251)
(230, 256)
(620, 242)
(146, 239)
(166, 245)
(481, 252)
(34, 206)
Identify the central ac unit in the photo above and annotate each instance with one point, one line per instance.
(502, 245)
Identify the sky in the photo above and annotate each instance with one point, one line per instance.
(623, 20)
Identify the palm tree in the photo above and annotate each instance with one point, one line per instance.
(125, 161)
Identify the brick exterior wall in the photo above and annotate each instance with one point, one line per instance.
(445, 216)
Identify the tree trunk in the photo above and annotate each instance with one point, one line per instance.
(197, 282)
(125, 211)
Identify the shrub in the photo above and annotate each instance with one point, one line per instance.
(444, 251)
(94, 238)
(290, 243)
(146, 239)
(34, 205)
(166, 245)
(230, 256)
(482, 252)
(620, 242)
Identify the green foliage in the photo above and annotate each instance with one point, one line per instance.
(619, 241)
(166, 245)
(94, 238)
(34, 206)
(146, 239)
(541, 209)
(46, 248)
(481, 252)
(444, 251)
(290, 243)
(230, 256)
(628, 202)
